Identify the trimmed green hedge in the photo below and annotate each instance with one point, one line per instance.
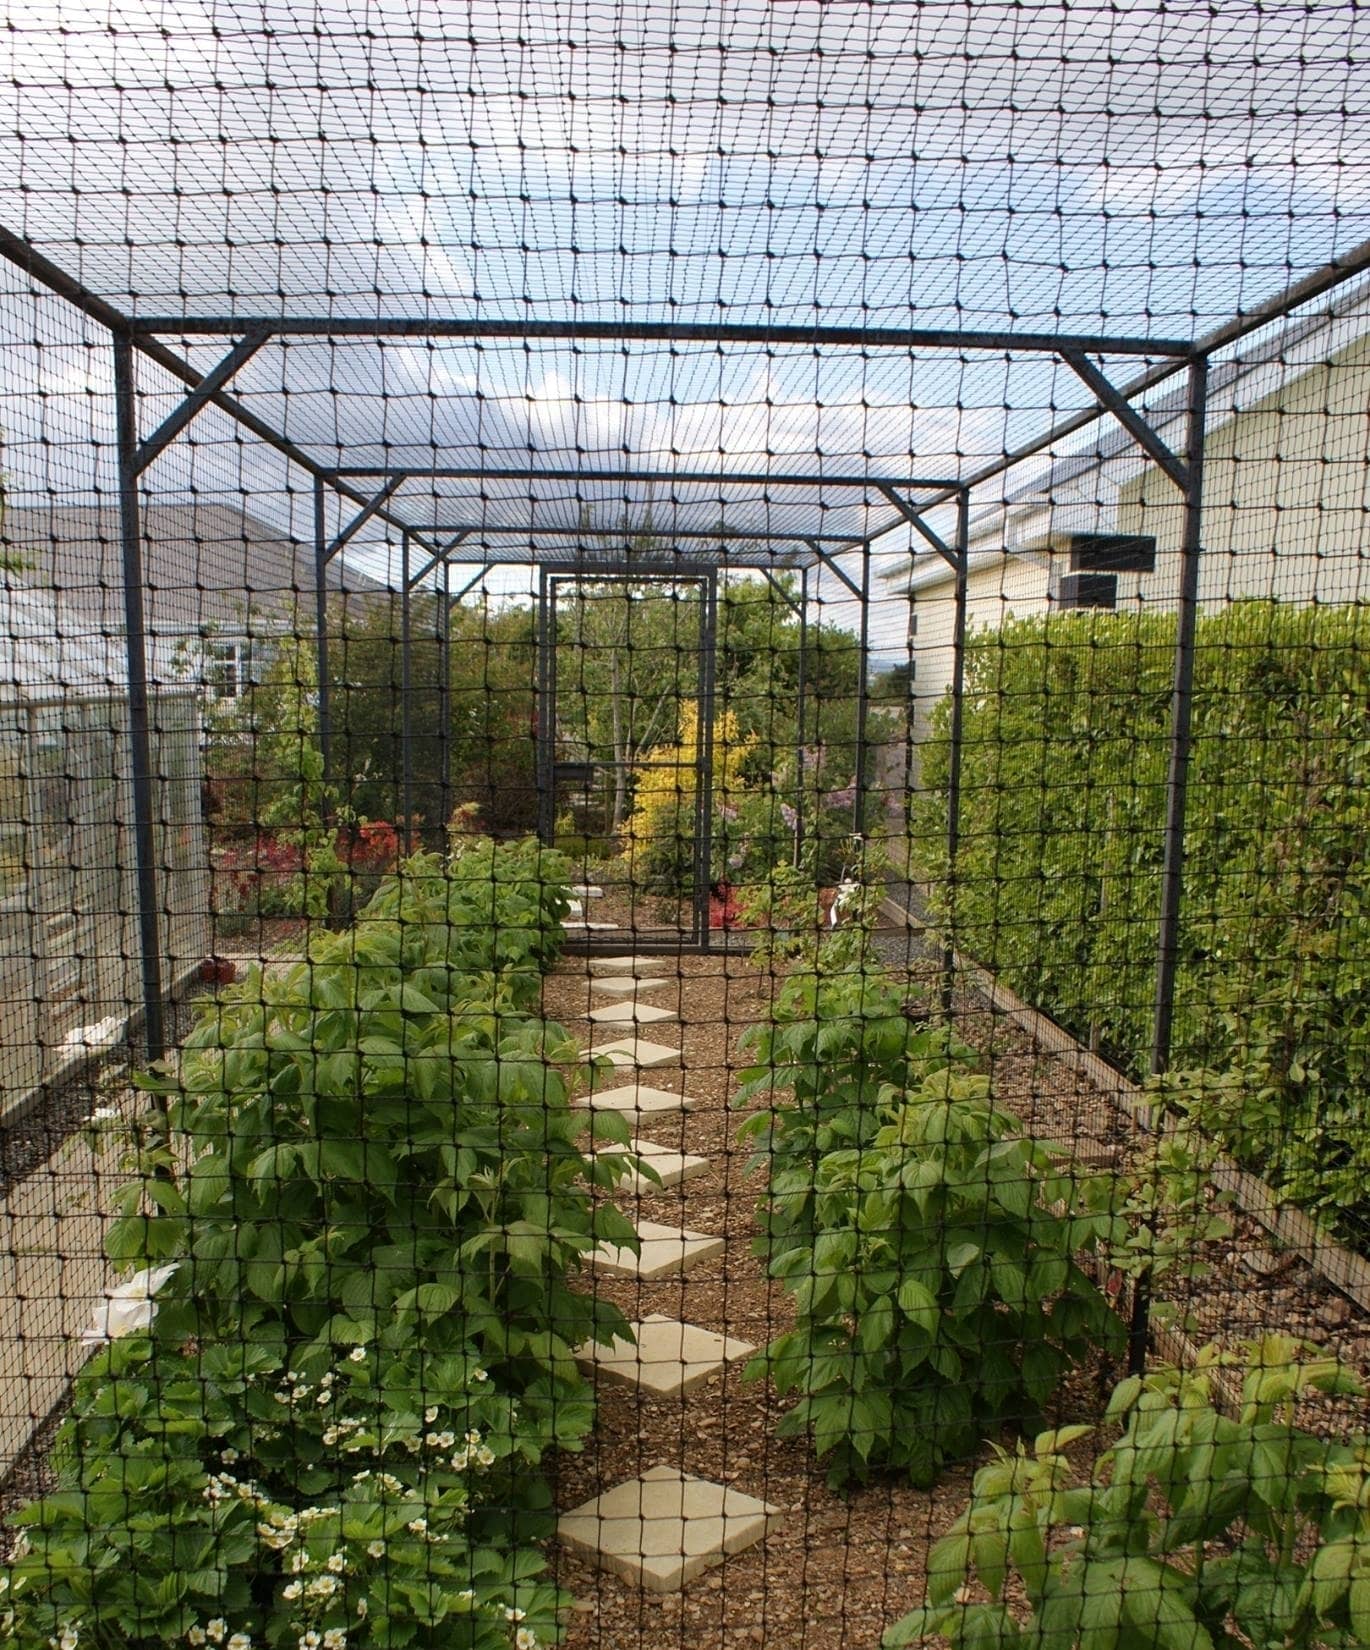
(1064, 767)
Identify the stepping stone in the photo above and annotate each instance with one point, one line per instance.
(637, 1052)
(577, 910)
(582, 922)
(619, 984)
(669, 1358)
(673, 1167)
(663, 1529)
(632, 1014)
(586, 890)
(625, 965)
(637, 1100)
(666, 1251)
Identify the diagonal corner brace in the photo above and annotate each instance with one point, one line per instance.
(913, 514)
(1128, 416)
(439, 555)
(363, 516)
(199, 398)
(838, 572)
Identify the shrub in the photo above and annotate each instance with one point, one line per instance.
(928, 1246)
(1058, 879)
(1196, 1529)
(940, 1299)
(365, 1221)
(662, 826)
(836, 1040)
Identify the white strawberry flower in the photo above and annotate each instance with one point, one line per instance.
(128, 1307)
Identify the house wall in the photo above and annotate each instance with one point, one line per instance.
(1002, 590)
(1286, 495)
(1286, 517)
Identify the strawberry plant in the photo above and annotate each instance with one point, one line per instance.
(934, 1278)
(1197, 1530)
(365, 1220)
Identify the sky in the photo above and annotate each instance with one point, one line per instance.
(1129, 168)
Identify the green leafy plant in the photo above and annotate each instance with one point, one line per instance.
(364, 1220)
(1170, 1210)
(938, 1297)
(837, 1038)
(1197, 1530)
(1058, 872)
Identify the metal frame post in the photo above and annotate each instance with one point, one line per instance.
(545, 709)
(863, 699)
(1177, 788)
(800, 715)
(406, 693)
(444, 641)
(1181, 718)
(140, 737)
(703, 784)
(321, 660)
(956, 738)
(704, 732)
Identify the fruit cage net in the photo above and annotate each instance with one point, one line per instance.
(683, 761)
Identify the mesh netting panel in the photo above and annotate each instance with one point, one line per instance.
(683, 724)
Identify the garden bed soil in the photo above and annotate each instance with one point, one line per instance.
(842, 1567)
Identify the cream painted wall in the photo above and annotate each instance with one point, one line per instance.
(1286, 516)
(1002, 590)
(1286, 495)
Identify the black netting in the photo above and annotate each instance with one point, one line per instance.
(682, 853)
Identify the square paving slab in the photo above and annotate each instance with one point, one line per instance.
(672, 1166)
(636, 1100)
(624, 984)
(666, 1250)
(663, 1529)
(586, 890)
(628, 965)
(637, 1053)
(632, 1014)
(669, 1358)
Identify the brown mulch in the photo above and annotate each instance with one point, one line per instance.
(842, 1567)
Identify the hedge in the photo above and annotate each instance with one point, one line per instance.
(1063, 773)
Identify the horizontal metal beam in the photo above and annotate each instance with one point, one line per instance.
(770, 335)
(682, 478)
(486, 530)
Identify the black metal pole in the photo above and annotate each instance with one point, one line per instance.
(956, 740)
(708, 675)
(406, 693)
(1177, 786)
(862, 698)
(800, 715)
(321, 661)
(140, 737)
(445, 689)
(544, 710)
